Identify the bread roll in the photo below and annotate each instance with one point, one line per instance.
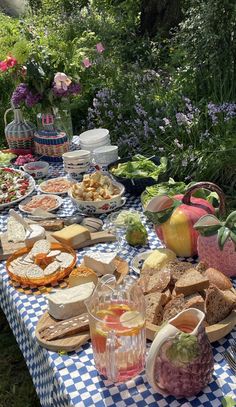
(218, 279)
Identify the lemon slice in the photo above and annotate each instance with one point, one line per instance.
(131, 319)
(103, 312)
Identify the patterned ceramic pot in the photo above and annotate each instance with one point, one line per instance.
(19, 133)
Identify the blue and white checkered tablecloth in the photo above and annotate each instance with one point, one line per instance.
(72, 379)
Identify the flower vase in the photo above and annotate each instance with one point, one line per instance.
(49, 141)
(19, 133)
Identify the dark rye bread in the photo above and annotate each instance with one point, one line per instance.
(218, 305)
(154, 308)
(179, 303)
(191, 282)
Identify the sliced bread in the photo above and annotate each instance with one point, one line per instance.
(191, 282)
(180, 303)
(156, 282)
(218, 305)
(194, 301)
(177, 269)
(154, 308)
(217, 278)
(173, 307)
(201, 267)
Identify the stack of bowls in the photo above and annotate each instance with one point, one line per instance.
(76, 162)
(92, 139)
(105, 155)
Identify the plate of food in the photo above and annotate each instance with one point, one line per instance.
(6, 157)
(44, 263)
(46, 202)
(97, 194)
(171, 286)
(15, 185)
(59, 186)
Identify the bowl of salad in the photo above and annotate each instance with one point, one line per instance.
(138, 172)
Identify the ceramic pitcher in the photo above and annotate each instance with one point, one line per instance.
(19, 133)
(180, 360)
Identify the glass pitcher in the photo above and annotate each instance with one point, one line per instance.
(117, 328)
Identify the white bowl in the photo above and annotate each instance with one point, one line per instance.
(104, 206)
(106, 154)
(76, 155)
(92, 147)
(37, 169)
(94, 136)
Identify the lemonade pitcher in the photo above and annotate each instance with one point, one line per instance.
(117, 328)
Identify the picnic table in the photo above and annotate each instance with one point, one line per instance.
(64, 380)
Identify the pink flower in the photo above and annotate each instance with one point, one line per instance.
(3, 66)
(11, 61)
(87, 62)
(61, 81)
(100, 48)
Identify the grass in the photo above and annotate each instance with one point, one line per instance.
(16, 386)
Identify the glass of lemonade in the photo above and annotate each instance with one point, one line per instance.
(117, 328)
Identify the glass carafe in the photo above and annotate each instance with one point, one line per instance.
(117, 328)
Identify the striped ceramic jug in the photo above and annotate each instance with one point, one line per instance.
(19, 133)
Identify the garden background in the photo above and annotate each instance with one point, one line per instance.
(163, 81)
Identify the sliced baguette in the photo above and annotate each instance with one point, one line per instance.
(218, 279)
(191, 282)
(154, 308)
(218, 305)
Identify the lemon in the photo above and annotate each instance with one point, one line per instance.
(131, 319)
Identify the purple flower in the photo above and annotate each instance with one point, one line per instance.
(182, 119)
(23, 94)
(19, 94)
(73, 89)
(32, 99)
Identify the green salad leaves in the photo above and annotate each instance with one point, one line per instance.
(140, 167)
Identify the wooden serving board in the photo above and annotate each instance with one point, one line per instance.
(8, 248)
(214, 332)
(67, 344)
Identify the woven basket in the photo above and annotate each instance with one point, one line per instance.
(50, 145)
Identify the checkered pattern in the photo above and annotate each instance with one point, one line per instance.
(64, 380)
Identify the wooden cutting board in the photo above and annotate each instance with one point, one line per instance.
(214, 332)
(8, 248)
(66, 344)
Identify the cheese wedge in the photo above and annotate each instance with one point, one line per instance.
(81, 275)
(72, 235)
(69, 302)
(102, 263)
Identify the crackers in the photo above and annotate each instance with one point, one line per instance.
(40, 262)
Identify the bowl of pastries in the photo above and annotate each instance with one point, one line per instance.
(97, 193)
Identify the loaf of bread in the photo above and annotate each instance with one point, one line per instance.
(191, 282)
(218, 279)
(218, 305)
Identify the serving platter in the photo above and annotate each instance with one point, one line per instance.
(30, 189)
(44, 184)
(59, 202)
